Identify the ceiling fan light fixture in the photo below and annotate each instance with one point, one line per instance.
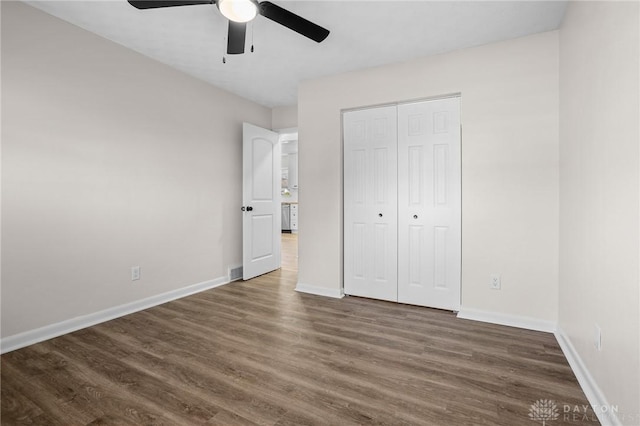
(238, 10)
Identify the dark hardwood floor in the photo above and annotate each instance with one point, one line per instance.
(257, 352)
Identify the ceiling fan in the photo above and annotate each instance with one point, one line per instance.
(239, 12)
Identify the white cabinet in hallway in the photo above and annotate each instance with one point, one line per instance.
(402, 203)
(294, 217)
(290, 217)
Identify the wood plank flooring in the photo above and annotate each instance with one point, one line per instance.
(257, 352)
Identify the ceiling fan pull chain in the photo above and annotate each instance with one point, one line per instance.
(224, 58)
(252, 29)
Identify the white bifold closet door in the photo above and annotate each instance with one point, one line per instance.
(429, 203)
(402, 208)
(371, 206)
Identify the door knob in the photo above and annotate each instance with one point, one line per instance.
(379, 214)
(415, 216)
(249, 208)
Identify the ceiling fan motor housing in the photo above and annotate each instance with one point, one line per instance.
(238, 10)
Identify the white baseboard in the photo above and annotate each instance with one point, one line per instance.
(596, 398)
(320, 291)
(509, 320)
(588, 384)
(17, 341)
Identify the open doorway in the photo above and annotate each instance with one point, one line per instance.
(289, 198)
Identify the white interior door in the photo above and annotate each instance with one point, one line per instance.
(370, 203)
(261, 207)
(429, 203)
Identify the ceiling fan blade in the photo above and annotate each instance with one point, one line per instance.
(236, 37)
(292, 21)
(154, 4)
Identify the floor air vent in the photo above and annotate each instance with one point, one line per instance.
(235, 273)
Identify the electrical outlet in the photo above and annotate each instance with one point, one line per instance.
(135, 273)
(597, 337)
(495, 282)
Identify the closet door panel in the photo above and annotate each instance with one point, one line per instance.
(370, 203)
(429, 218)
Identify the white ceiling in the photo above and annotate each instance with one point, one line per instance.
(363, 34)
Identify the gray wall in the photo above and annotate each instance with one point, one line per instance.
(600, 195)
(109, 160)
(285, 117)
